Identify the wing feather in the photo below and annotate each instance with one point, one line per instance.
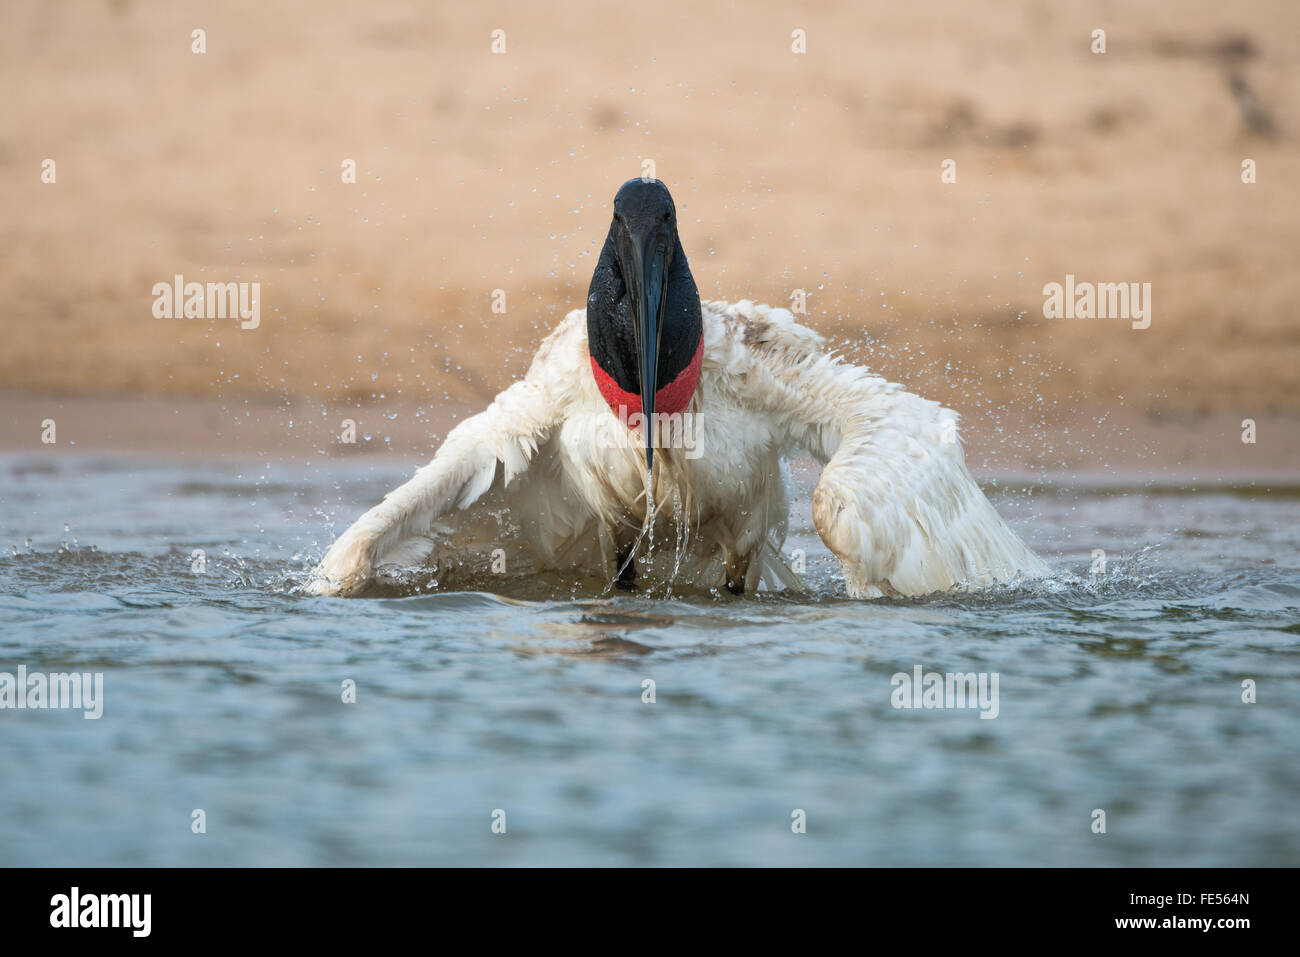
(895, 501)
(500, 441)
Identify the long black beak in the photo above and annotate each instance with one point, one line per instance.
(649, 266)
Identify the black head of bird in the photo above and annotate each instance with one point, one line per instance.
(645, 331)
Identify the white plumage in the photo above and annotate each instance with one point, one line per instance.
(540, 476)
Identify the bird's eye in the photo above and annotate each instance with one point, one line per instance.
(668, 217)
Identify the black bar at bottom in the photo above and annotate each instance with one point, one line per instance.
(943, 907)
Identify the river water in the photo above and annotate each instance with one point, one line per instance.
(525, 703)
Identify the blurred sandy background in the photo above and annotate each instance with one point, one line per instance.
(818, 171)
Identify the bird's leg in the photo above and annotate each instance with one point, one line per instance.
(624, 539)
(626, 568)
(737, 568)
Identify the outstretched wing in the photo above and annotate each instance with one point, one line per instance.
(895, 502)
(503, 438)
